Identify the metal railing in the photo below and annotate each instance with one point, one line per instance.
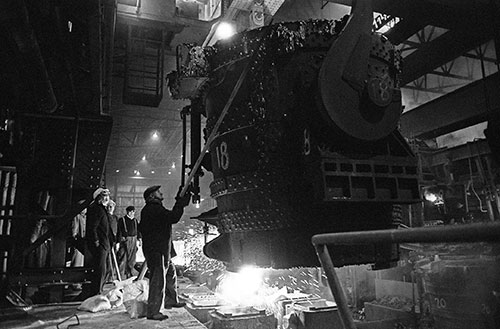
(478, 232)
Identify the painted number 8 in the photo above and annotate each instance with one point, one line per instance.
(222, 156)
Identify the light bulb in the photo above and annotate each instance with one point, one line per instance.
(225, 30)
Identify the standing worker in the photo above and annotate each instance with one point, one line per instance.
(156, 229)
(99, 241)
(128, 238)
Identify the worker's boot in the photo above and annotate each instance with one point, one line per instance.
(175, 305)
(158, 317)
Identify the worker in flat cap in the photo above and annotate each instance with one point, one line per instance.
(99, 240)
(156, 229)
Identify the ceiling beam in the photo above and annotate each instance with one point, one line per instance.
(449, 14)
(456, 110)
(425, 89)
(405, 29)
(486, 59)
(441, 50)
(451, 75)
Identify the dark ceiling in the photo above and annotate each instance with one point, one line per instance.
(446, 45)
(431, 33)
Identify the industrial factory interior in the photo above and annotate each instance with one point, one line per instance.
(250, 164)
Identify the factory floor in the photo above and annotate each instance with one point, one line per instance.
(66, 315)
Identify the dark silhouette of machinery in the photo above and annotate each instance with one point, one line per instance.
(302, 134)
(54, 136)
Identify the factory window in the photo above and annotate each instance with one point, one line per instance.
(203, 10)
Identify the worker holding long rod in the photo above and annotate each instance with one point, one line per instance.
(156, 229)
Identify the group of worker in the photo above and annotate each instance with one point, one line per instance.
(125, 240)
(104, 231)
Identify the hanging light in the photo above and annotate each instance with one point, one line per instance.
(144, 158)
(224, 30)
(155, 135)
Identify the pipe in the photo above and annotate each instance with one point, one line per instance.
(196, 108)
(335, 287)
(489, 231)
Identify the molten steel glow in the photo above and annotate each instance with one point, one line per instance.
(242, 288)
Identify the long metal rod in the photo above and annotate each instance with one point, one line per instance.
(335, 287)
(487, 232)
(215, 130)
(184, 134)
(115, 264)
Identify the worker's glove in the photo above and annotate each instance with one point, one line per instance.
(183, 201)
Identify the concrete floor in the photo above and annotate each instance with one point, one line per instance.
(54, 316)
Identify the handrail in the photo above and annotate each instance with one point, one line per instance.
(477, 232)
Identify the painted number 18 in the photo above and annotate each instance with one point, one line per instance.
(222, 156)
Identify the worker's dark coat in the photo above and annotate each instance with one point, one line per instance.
(98, 226)
(156, 227)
